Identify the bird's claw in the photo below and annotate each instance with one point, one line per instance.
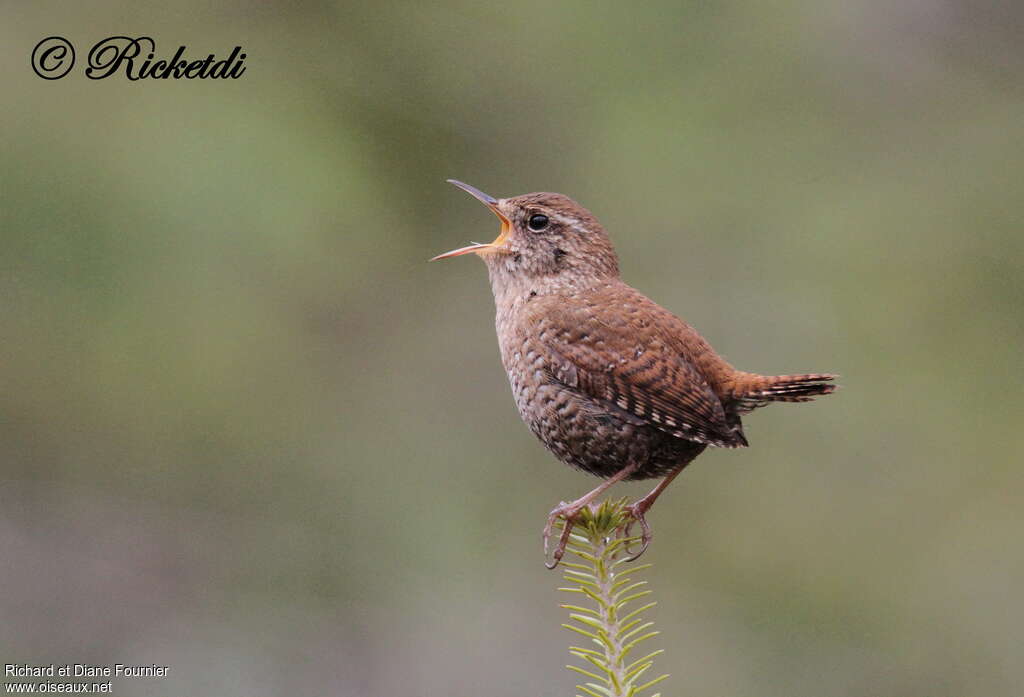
(568, 512)
(636, 513)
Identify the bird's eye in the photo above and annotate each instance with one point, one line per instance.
(537, 222)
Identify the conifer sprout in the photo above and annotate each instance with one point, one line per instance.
(610, 605)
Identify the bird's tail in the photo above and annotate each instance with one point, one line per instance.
(753, 391)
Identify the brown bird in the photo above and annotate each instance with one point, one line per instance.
(611, 382)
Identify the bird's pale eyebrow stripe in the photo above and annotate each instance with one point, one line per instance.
(569, 220)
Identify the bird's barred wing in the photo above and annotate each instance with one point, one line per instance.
(624, 363)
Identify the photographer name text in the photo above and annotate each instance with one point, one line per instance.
(134, 58)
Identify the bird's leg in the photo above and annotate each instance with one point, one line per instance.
(639, 508)
(569, 511)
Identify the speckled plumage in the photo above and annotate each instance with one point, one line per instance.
(608, 380)
(600, 391)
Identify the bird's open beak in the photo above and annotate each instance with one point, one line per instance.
(491, 203)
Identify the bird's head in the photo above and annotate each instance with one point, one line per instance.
(543, 236)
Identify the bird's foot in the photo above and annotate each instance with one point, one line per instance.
(568, 512)
(636, 512)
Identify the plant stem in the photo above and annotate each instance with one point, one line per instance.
(605, 579)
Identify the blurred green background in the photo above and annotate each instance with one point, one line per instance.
(249, 433)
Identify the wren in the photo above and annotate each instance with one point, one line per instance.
(609, 381)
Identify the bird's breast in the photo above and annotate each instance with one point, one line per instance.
(578, 430)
